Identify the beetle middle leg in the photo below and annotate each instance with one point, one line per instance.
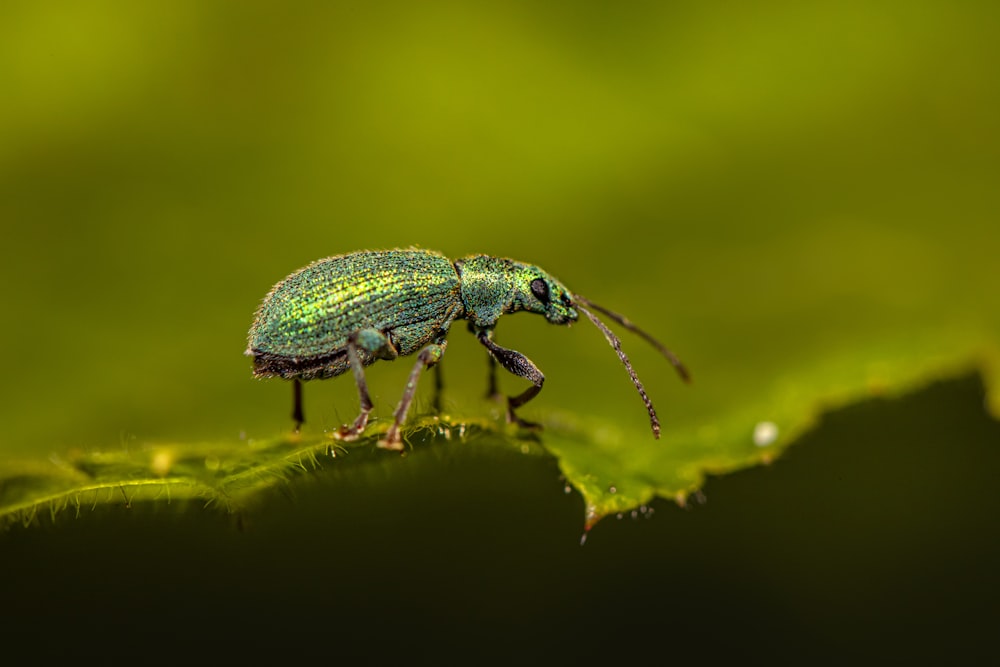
(429, 356)
(519, 365)
(377, 344)
(438, 389)
(492, 388)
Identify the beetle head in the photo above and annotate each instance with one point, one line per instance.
(538, 292)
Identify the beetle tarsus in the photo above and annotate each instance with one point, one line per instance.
(514, 402)
(352, 432)
(522, 423)
(392, 442)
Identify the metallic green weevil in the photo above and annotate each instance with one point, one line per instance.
(346, 312)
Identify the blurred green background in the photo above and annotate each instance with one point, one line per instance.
(799, 198)
(768, 186)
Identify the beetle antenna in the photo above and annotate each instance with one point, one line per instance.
(617, 345)
(682, 371)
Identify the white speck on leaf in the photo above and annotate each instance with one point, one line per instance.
(765, 433)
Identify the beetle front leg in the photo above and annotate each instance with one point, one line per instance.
(376, 343)
(429, 356)
(519, 365)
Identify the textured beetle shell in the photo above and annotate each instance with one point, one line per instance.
(301, 327)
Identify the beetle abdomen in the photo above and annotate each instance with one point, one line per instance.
(301, 327)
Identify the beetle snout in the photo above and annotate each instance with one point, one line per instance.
(561, 315)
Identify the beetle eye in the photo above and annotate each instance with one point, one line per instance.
(540, 289)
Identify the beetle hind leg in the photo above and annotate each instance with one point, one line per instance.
(376, 344)
(297, 415)
(429, 356)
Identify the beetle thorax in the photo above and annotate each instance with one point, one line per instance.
(487, 289)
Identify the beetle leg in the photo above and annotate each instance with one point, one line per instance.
(429, 356)
(373, 342)
(297, 416)
(492, 388)
(519, 365)
(438, 388)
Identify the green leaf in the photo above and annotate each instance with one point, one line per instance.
(802, 202)
(229, 476)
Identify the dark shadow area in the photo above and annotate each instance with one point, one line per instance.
(874, 537)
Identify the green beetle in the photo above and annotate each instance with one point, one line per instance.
(346, 312)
